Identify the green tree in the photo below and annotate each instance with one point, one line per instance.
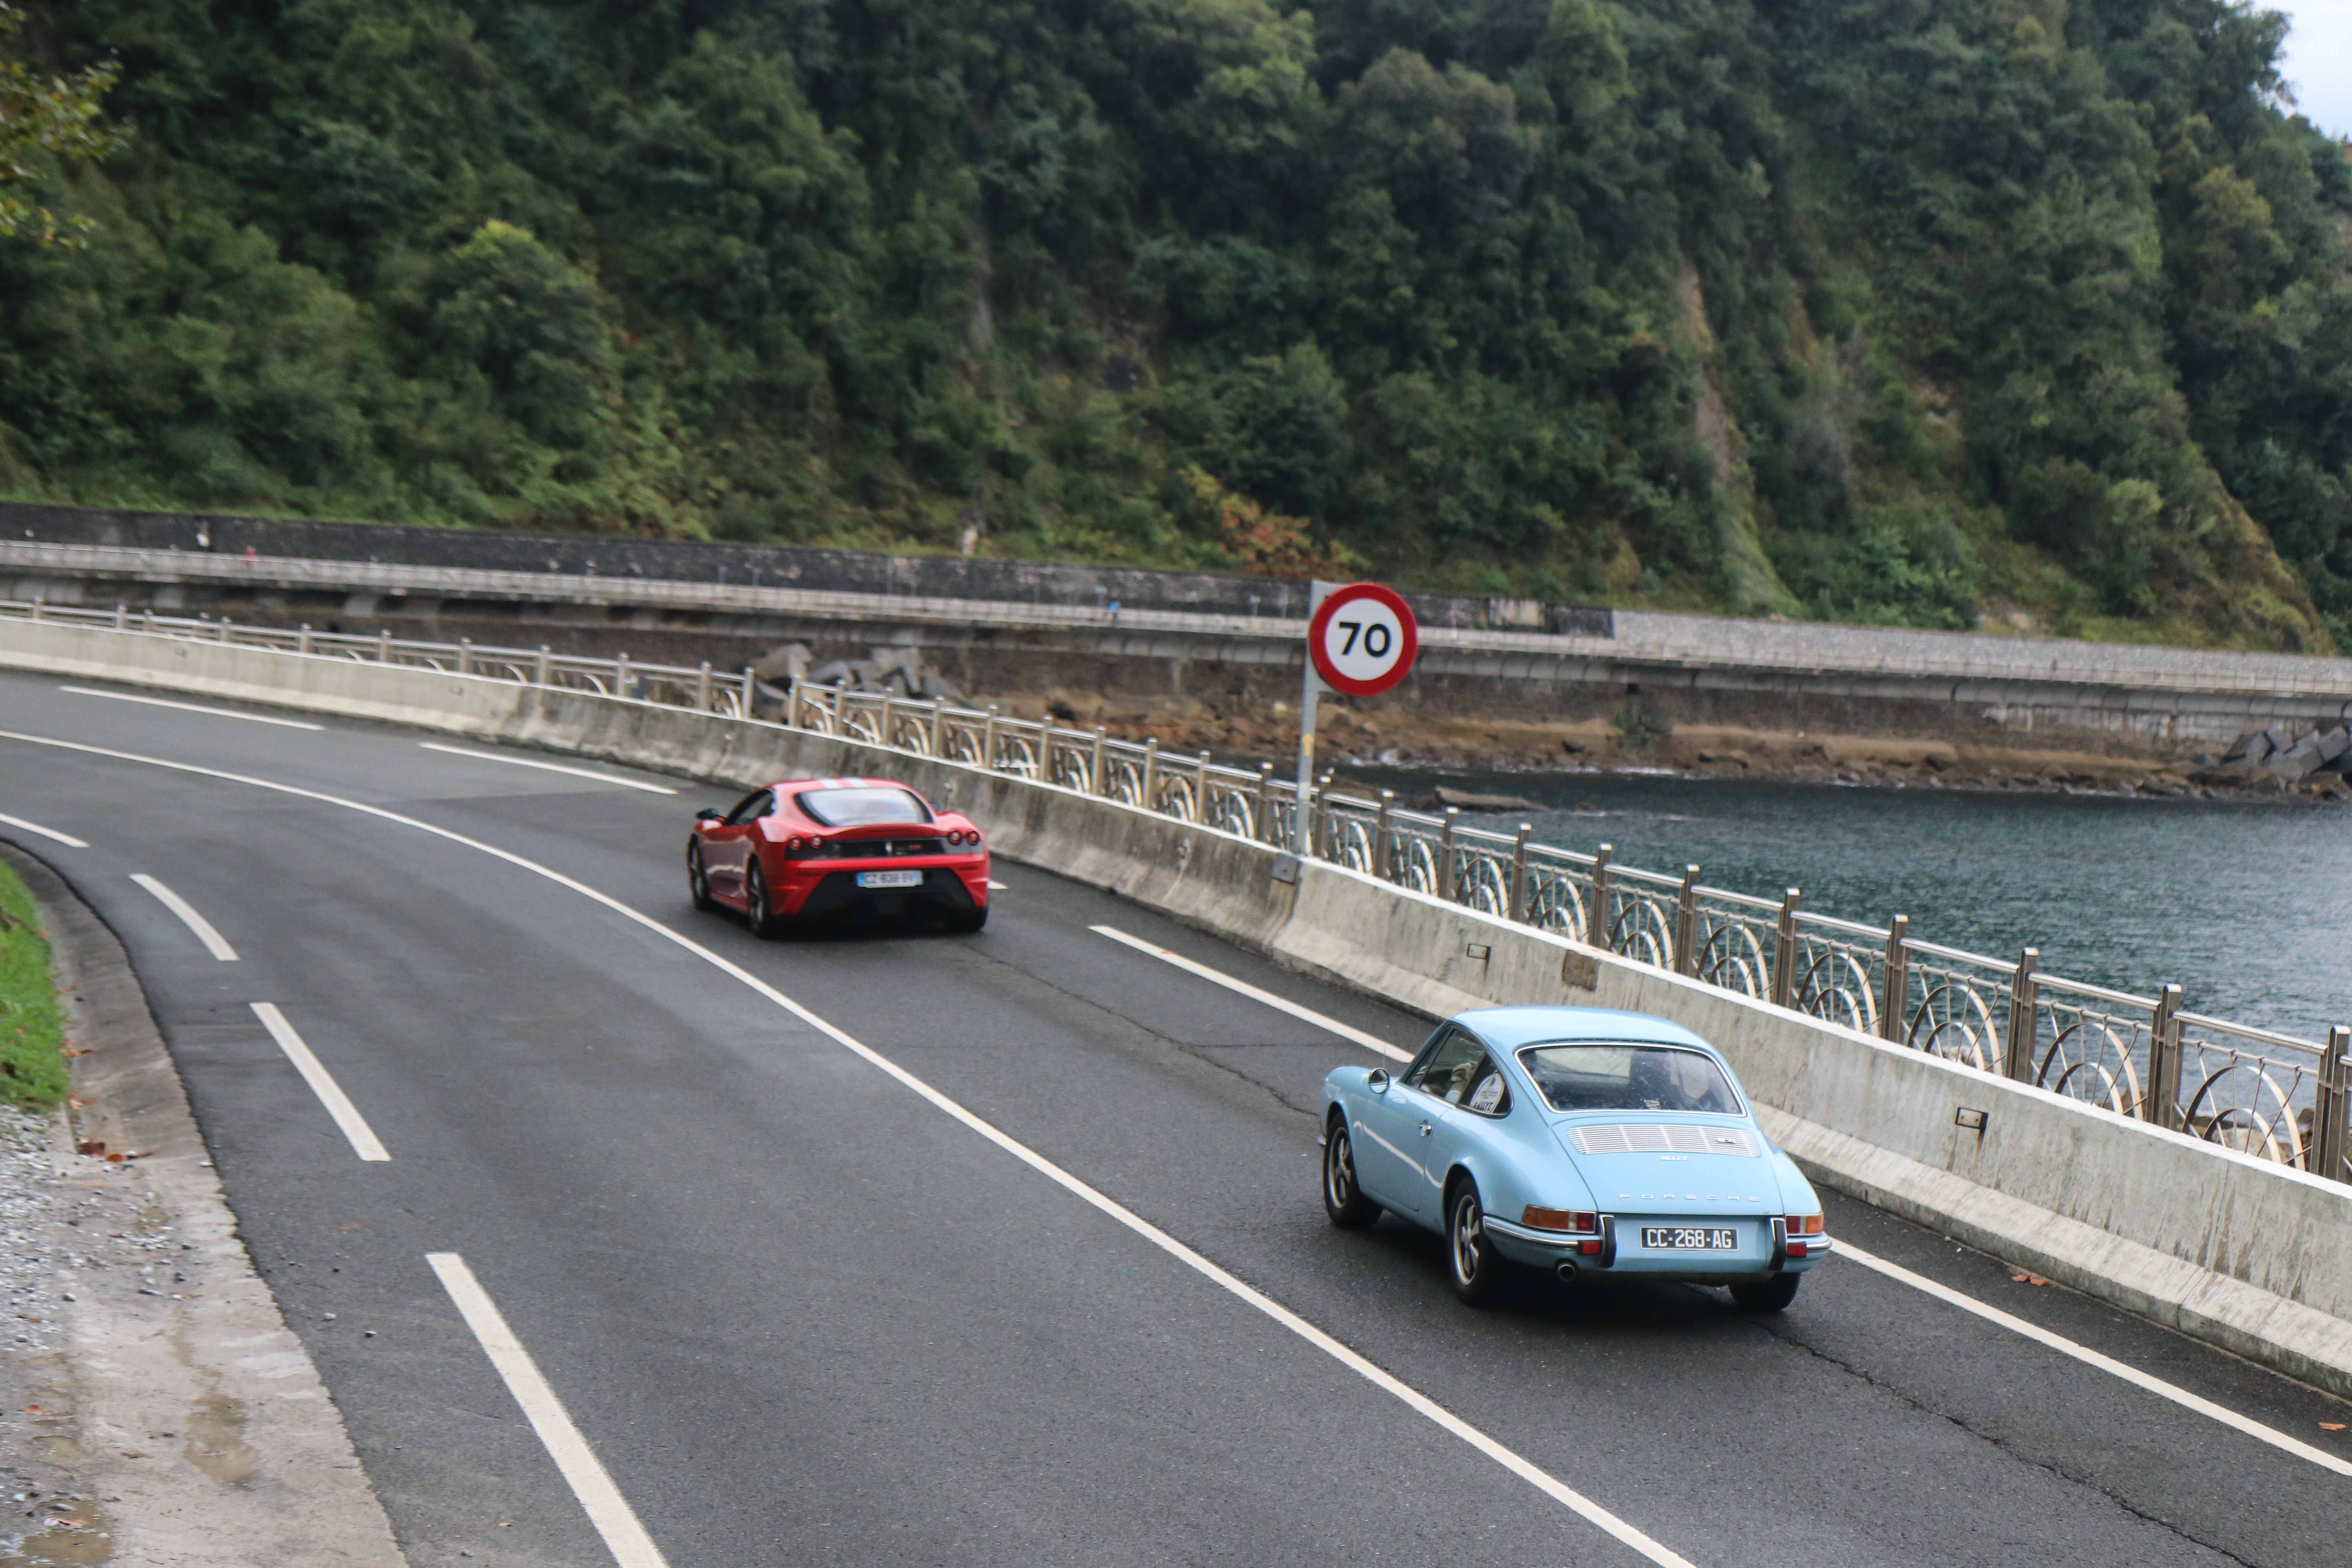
(45, 116)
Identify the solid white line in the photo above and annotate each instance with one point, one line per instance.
(607, 1509)
(188, 917)
(1345, 1031)
(2089, 1357)
(190, 708)
(546, 767)
(323, 1083)
(44, 832)
(1414, 1399)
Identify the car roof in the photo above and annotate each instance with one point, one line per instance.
(1508, 1028)
(796, 785)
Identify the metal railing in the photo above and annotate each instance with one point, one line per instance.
(2266, 1094)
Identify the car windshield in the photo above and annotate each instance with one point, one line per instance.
(1612, 1077)
(861, 806)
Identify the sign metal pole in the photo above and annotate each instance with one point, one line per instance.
(1302, 829)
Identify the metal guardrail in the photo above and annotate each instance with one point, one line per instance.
(1679, 641)
(2269, 1095)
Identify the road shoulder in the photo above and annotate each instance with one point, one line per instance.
(184, 1413)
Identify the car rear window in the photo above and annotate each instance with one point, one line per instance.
(1587, 1076)
(857, 807)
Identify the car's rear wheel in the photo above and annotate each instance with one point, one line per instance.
(1768, 1295)
(1343, 1200)
(756, 907)
(697, 879)
(1471, 1261)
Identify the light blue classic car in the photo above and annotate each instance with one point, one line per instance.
(1577, 1140)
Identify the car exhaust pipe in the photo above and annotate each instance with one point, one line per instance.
(1566, 1271)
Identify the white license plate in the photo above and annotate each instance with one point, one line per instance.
(889, 879)
(1689, 1238)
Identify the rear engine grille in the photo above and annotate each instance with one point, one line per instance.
(1660, 1137)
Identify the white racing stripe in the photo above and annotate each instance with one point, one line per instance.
(66, 839)
(1411, 1397)
(607, 1509)
(2089, 1357)
(188, 917)
(1281, 1003)
(323, 1083)
(192, 708)
(546, 767)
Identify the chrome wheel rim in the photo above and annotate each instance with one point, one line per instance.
(1339, 1171)
(1469, 1239)
(697, 878)
(759, 899)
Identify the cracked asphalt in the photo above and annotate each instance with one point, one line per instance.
(803, 1316)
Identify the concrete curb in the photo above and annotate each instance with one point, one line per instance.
(253, 1468)
(2228, 1249)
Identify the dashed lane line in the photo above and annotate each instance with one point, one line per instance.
(1404, 1394)
(192, 708)
(323, 1083)
(606, 1508)
(212, 939)
(1280, 1003)
(2089, 1357)
(546, 767)
(66, 839)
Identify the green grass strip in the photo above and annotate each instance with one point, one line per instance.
(32, 1024)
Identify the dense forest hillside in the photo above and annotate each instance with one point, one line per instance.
(1903, 311)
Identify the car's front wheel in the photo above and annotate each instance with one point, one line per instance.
(1343, 1200)
(1472, 1262)
(697, 879)
(756, 907)
(1768, 1295)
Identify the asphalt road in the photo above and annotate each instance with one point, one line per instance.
(804, 1314)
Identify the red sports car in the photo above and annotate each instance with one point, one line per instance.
(808, 849)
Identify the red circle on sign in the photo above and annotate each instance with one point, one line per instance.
(1342, 649)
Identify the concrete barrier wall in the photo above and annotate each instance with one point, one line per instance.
(2231, 1249)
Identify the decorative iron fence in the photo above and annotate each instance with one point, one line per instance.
(2266, 1094)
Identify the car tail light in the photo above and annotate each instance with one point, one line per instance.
(1805, 1224)
(1575, 1221)
(955, 835)
(1796, 1249)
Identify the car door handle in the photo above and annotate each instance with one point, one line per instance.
(1424, 1130)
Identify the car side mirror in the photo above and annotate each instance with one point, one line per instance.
(1377, 1081)
(709, 814)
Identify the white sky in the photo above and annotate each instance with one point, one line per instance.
(2319, 60)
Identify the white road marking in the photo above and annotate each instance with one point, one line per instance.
(323, 1083)
(607, 1509)
(66, 838)
(1411, 1397)
(1345, 1031)
(191, 708)
(2089, 1357)
(546, 767)
(188, 917)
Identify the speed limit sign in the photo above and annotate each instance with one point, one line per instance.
(1362, 640)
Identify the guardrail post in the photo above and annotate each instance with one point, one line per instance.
(1321, 841)
(1784, 949)
(889, 724)
(1381, 834)
(1686, 923)
(2161, 1101)
(540, 675)
(621, 675)
(37, 607)
(122, 619)
(1599, 928)
(1151, 773)
(465, 655)
(1201, 790)
(1897, 982)
(2330, 1135)
(937, 727)
(1097, 783)
(383, 646)
(147, 622)
(1265, 832)
(301, 638)
(2024, 1020)
(224, 630)
(988, 741)
(702, 689)
(1518, 903)
(1445, 877)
